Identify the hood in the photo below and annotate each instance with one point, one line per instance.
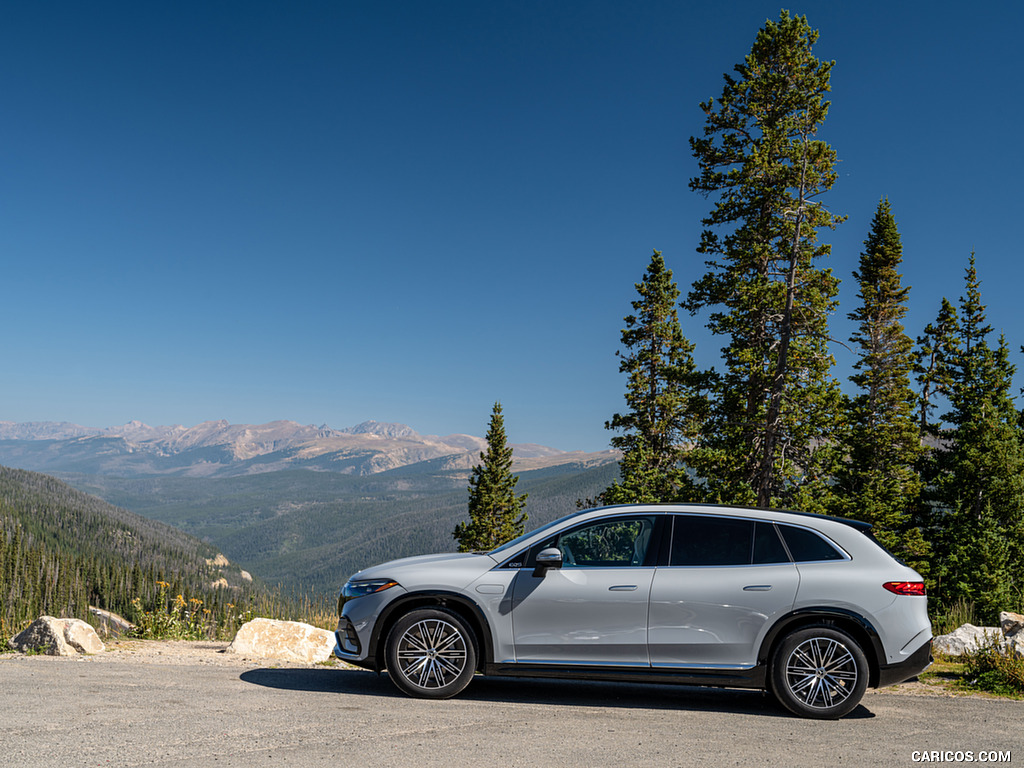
(454, 569)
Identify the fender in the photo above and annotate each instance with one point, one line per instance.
(811, 615)
(390, 613)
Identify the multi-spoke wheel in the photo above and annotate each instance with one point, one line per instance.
(819, 672)
(430, 654)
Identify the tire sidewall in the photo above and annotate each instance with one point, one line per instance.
(780, 685)
(391, 654)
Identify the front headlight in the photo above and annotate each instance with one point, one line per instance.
(354, 589)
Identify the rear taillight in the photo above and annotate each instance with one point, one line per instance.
(906, 587)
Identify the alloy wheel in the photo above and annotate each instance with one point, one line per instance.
(432, 654)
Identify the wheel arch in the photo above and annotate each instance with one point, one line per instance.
(458, 604)
(850, 622)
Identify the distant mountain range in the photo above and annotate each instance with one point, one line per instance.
(219, 449)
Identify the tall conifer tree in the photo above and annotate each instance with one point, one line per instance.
(776, 401)
(977, 498)
(879, 482)
(662, 395)
(495, 511)
(932, 369)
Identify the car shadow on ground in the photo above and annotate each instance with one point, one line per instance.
(577, 693)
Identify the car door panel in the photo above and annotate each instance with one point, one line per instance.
(715, 616)
(592, 609)
(582, 616)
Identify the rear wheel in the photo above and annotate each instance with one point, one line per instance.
(819, 672)
(430, 654)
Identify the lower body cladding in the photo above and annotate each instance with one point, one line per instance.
(916, 662)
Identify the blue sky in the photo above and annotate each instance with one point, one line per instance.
(404, 211)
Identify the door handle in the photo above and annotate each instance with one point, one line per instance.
(758, 588)
(623, 588)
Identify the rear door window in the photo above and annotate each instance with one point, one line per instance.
(699, 540)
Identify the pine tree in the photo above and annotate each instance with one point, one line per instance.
(879, 482)
(662, 395)
(495, 511)
(932, 369)
(776, 402)
(977, 497)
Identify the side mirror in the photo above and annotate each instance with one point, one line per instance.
(547, 559)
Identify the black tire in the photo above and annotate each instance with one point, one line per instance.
(430, 654)
(819, 672)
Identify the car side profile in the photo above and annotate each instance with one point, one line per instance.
(806, 606)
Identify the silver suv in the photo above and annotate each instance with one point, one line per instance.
(806, 606)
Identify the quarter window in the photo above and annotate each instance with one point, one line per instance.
(807, 546)
(768, 546)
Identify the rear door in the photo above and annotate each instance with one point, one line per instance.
(727, 581)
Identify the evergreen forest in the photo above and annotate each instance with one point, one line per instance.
(924, 441)
(62, 550)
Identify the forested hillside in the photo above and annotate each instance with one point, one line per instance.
(311, 530)
(62, 550)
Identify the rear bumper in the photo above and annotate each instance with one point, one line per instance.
(914, 665)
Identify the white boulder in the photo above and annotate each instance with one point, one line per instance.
(284, 640)
(965, 639)
(968, 638)
(58, 637)
(1012, 625)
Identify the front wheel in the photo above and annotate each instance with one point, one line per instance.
(430, 654)
(819, 672)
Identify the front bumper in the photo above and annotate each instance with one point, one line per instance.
(347, 639)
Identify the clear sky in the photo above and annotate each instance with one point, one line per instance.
(338, 211)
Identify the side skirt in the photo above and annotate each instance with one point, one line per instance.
(720, 678)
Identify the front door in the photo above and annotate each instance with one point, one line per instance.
(593, 610)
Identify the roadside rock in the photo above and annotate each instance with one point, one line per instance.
(58, 637)
(1012, 624)
(287, 640)
(968, 638)
(964, 639)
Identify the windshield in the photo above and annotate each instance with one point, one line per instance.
(520, 539)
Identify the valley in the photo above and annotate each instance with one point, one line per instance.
(296, 506)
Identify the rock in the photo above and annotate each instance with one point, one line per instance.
(968, 638)
(82, 637)
(58, 637)
(1011, 624)
(285, 640)
(964, 639)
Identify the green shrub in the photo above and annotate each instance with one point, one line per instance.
(995, 669)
